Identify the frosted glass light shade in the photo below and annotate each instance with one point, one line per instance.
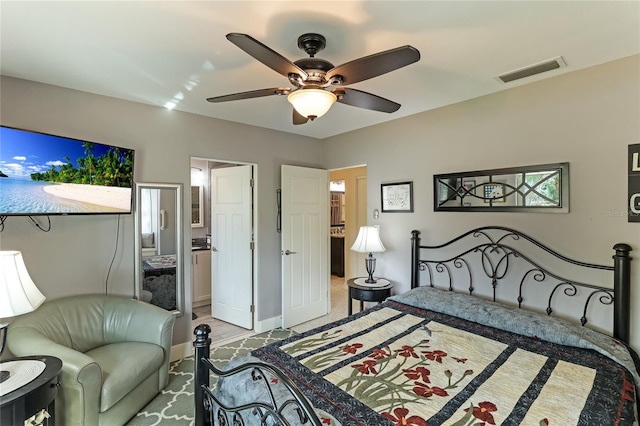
(18, 293)
(311, 103)
(368, 241)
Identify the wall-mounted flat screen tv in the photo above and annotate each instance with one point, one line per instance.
(42, 174)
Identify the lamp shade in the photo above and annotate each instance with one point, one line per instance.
(18, 293)
(368, 241)
(312, 103)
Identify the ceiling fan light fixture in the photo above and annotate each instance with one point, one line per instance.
(312, 103)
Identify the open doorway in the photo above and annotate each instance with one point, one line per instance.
(222, 193)
(350, 198)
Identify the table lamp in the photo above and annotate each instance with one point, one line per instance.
(18, 293)
(368, 241)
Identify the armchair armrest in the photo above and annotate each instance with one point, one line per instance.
(132, 320)
(81, 376)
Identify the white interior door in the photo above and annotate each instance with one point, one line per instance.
(231, 251)
(305, 244)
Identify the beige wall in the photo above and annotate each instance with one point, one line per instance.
(74, 257)
(587, 118)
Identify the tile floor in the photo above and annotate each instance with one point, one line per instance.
(222, 332)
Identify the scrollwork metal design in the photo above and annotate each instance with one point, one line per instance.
(211, 410)
(271, 412)
(497, 259)
(606, 298)
(538, 276)
(570, 290)
(459, 263)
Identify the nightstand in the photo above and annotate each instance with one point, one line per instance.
(38, 394)
(365, 293)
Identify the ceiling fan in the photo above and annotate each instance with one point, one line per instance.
(312, 77)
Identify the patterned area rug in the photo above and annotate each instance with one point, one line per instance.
(174, 405)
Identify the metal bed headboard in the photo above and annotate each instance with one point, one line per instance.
(496, 257)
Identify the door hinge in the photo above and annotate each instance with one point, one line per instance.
(252, 245)
(252, 308)
(251, 182)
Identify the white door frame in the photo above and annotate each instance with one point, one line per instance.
(256, 231)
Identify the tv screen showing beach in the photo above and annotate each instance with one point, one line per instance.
(42, 174)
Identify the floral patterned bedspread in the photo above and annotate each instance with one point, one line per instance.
(397, 364)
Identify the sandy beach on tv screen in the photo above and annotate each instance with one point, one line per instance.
(108, 196)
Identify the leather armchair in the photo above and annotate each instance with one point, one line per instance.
(114, 351)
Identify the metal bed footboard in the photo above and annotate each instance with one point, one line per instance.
(210, 410)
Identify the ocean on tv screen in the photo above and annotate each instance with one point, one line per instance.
(47, 174)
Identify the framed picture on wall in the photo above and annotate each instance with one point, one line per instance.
(494, 192)
(397, 197)
(469, 184)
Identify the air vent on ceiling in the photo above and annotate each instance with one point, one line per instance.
(551, 64)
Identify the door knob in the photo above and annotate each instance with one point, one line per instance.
(287, 252)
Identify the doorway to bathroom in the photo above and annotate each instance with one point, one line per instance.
(348, 192)
(223, 212)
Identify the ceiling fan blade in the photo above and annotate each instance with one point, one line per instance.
(360, 99)
(266, 55)
(374, 65)
(251, 94)
(298, 118)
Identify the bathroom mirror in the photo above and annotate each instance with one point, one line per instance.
(197, 206)
(539, 188)
(337, 188)
(159, 259)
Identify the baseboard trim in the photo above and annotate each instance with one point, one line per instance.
(268, 324)
(185, 349)
(180, 351)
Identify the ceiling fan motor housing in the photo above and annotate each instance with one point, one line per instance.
(316, 68)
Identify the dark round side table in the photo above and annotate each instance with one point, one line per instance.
(367, 293)
(38, 394)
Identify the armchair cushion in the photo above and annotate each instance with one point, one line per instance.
(124, 366)
(115, 354)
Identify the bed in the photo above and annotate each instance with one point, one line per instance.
(446, 352)
(160, 280)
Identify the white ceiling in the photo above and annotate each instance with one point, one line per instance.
(155, 52)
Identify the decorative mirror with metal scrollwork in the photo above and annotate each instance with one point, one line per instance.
(541, 188)
(158, 245)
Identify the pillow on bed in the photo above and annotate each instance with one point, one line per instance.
(240, 388)
(519, 321)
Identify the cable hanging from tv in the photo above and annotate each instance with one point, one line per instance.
(40, 227)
